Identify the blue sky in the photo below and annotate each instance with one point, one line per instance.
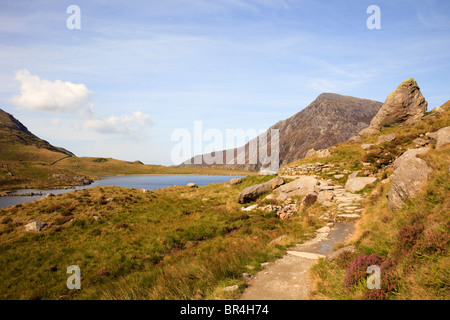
(138, 70)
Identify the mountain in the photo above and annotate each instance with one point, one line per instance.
(329, 120)
(12, 131)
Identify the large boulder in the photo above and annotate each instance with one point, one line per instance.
(443, 137)
(299, 187)
(254, 192)
(405, 105)
(408, 180)
(355, 184)
(408, 155)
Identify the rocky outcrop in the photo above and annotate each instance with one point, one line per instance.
(405, 105)
(254, 192)
(408, 179)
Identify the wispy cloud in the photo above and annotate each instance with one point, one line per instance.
(64, 97)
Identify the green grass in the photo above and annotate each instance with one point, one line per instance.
(173, 243)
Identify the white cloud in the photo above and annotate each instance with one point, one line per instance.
(128, 124)
(65, 97)
(57, 96)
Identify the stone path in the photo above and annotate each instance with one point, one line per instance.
(288, 277)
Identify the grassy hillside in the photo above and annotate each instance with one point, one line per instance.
(412, 244)
(173, 243)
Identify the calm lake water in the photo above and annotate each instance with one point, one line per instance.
(150, 182)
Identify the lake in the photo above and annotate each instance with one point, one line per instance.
(150, 182)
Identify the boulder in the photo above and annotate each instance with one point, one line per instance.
(405, 105)
(299, 187)
(386, 138)
(283, 196)
(408, 180)
(366, 146)
(323, 153)
(370, 131)
(235, 181)
(278, 181)
(35, 226)
(192, 185)
(254, 192)
(355, 184)
(420, 142)
(442, 137)
(355, 139)
(408, 155)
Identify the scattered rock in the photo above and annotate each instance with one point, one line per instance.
(323, 153)
(231, 288)
(367, 146)
(355, 184)
(386, 138)
(280, 239)
(420, 142)
(324, 230)
(235, 181)
(355, 139)
(250, 208)
(339, 176)
(192, 185)
(35, 226)
(254, 192)
(370, 131)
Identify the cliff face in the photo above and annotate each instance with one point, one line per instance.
(12, 131)
(327, 121)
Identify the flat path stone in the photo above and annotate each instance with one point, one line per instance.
(288, 277)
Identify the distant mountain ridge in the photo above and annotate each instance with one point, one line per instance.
(329, 120)
(13, 131)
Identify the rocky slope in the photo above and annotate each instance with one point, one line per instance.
(327, 121)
